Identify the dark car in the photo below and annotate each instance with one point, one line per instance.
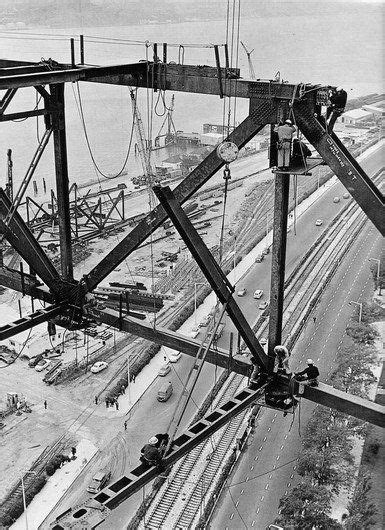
(33, 362)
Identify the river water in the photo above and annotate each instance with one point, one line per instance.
(342, 47)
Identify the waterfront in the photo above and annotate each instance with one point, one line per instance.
(341, 47)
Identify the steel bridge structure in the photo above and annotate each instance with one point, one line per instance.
(70, 299)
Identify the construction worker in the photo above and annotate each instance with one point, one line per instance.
(282, 354)
(285, 134)
(150, 455)
(309, 375)
(337, 100)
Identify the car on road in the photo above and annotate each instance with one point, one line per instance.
(164, 370)
(258, 293)
(98, 367)
(204, 322)
(43, 364)
(336, 199)
(259, 258)
(33, 362)
(242, 291)
(346, 195)
(174, 356)
(319, 222)
(99, 480)
(263, 305)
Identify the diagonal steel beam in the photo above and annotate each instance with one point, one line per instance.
(24, 323)
(22, 240)
(24, 283)
(344, 165)
(258, 117)
(211, 270)
(172, 339)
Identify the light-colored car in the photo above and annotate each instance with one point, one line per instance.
(98, 367)
(319, 222)
(42, 365)
(336, 199)
(258, 293)
(242, 291)
(174, 356)
(263, 305)
(346, 195)
(164, 369)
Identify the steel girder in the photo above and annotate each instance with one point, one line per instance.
(344, 165)
(172, 339)
(212, 271)
(24, 283)
(31, 320)
(256, 120)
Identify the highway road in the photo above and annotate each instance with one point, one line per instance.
(150, 416)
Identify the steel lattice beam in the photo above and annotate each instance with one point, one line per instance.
(24, 283)
(211, 270)
(31, 320)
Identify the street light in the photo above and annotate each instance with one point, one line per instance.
(360, 313)
(378, 273)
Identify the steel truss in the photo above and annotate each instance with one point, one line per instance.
(270, 102)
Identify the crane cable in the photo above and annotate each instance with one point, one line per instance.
(79, 105)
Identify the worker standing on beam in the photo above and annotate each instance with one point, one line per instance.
(338, 100)
(285, 134)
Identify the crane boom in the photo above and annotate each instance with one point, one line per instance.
(251, 67)
(143, 145)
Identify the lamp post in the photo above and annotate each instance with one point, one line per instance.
(378, 273)
(360, 313)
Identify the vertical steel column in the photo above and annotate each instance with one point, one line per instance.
(281, 205)
(61, 170)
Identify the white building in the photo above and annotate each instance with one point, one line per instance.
(355, 117)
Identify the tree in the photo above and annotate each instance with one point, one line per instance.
(306, 507)
(361, 332)
(324, 467)
(361, 511)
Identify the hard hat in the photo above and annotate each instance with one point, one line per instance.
(339, 88)
(288, 122)
(310, 361)
(153, 440)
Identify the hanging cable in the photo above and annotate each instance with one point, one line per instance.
(236, 64)
(82, 118)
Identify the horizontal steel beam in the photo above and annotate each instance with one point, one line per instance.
(24, 283)
(176, 77)
(363, 409)
(246, 130)
(25, 114)
(172, 339)
(24, 323)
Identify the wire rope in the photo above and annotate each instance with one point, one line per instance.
(82, 118)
